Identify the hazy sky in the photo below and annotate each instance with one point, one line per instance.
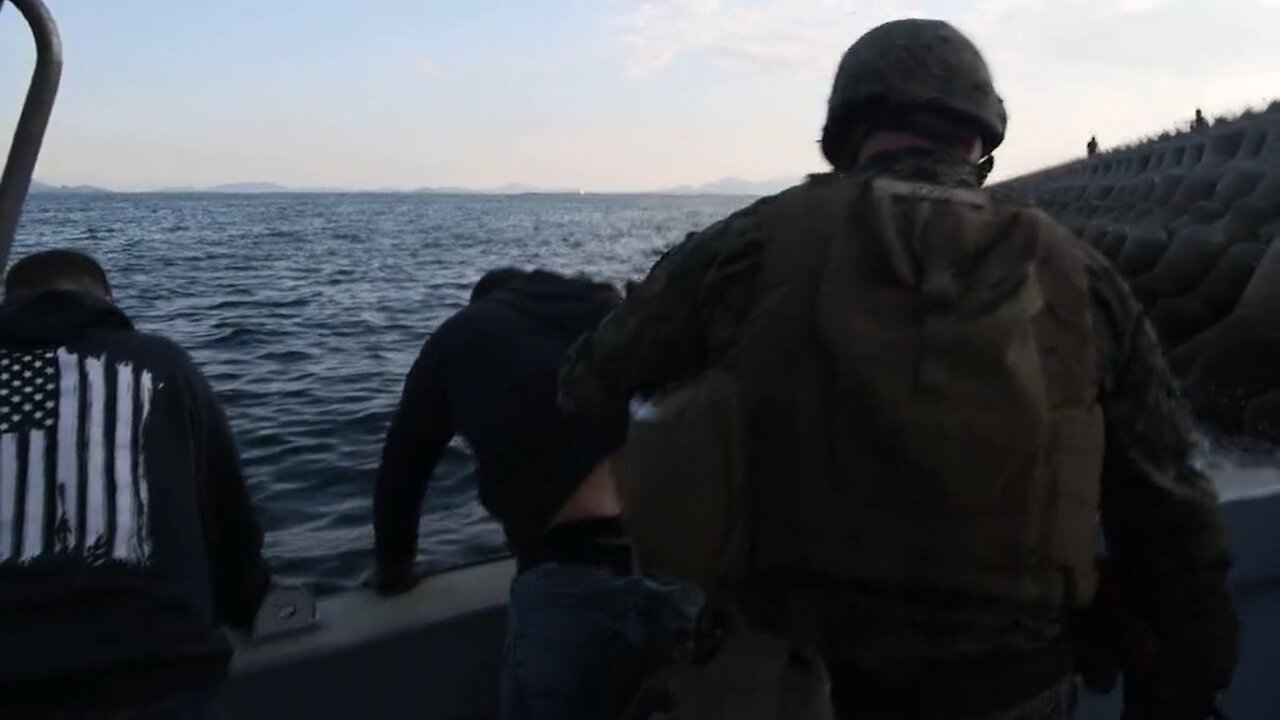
(598, 94)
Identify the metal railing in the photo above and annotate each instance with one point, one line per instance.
(29, 134)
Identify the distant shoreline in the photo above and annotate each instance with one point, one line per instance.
(728, 187)
(657, 193)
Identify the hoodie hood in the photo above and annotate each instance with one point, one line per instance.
(56, 317)
(564, 302)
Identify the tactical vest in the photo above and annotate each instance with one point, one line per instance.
(911, 405)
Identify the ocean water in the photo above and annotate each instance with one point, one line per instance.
(306, 311)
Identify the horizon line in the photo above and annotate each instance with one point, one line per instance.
(721, 186)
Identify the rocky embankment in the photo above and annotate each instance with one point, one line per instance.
(1192, 221)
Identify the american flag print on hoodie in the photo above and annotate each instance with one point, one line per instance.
(72, 464)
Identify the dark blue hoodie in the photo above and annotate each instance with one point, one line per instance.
(489, 374)
(126, 533)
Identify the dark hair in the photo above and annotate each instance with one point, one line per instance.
(51, 268)
(509, 278)
(497, 279)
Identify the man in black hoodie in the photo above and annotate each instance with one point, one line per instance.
(582, 623)
(126, 531)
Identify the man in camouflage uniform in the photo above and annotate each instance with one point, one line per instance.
(913, 100)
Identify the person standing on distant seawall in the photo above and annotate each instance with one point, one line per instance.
(582, 622)
(126, 531)
(1199, 123)
(923, 396)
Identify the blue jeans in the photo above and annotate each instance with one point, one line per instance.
(1057, 703)
(581, 639)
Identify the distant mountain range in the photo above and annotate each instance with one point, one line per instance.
(724, 186)
(508, 189)
(248, 188)
(39, 187)
(734, 186)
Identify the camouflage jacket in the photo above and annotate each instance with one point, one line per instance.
(1160, 515)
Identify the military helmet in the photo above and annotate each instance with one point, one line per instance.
(908, 65)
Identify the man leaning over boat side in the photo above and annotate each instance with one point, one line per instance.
(126, 531)
(582, 623)
(906, 402)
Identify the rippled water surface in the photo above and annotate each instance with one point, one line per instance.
(305, 312)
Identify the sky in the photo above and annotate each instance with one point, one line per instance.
(603, 95)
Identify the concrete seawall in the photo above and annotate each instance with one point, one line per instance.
(1189, 219)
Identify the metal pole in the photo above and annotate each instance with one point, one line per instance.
(33, 121)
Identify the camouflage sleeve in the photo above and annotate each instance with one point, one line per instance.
(1160, 514)
(669, 326)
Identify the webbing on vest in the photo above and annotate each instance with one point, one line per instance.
(912, 404)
